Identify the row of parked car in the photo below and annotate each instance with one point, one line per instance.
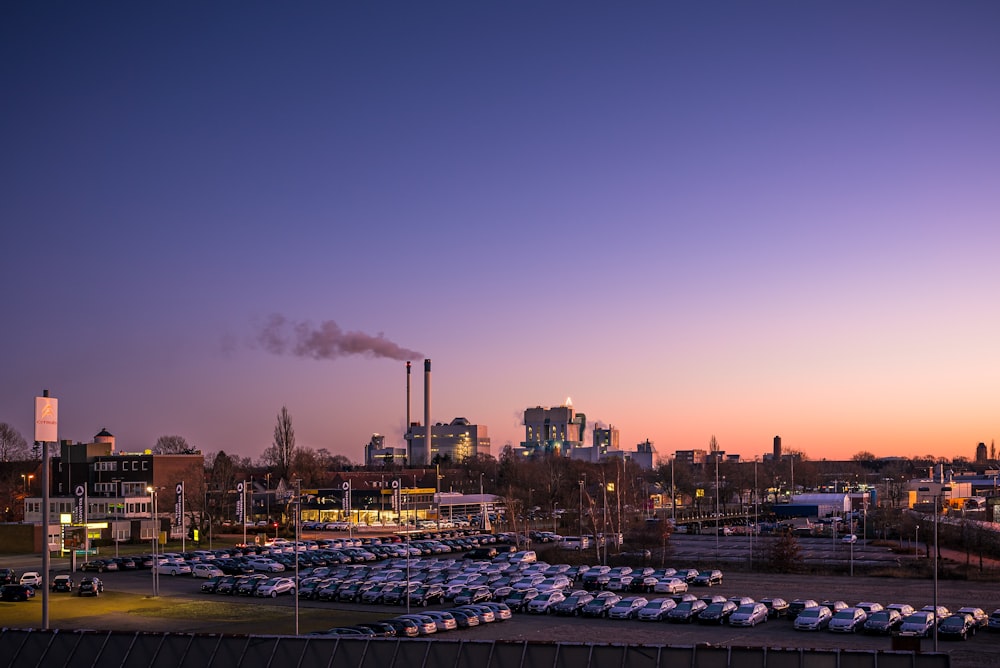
(23, 588)
(895, 618)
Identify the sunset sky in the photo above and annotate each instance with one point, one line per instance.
(737, 219)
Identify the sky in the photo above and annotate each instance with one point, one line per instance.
(694, 219)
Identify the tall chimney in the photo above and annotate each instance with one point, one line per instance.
(406, 434)
(426, 459)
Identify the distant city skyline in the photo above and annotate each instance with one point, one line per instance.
(731, 219)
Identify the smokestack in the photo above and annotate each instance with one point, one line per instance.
(406, 434)
(427, 413)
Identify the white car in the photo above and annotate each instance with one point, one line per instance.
(849, 538)
(266, 565)
(670, 586)
(32, 579)
(205, 571)
(275, 587)
(172, 568)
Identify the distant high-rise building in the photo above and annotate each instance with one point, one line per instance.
(777, 449)
(456, 441)
(981, 453)
(557, 430)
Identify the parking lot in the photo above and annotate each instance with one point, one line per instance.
(180, 607)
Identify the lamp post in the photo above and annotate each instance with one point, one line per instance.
(298, 513)
(937, 508)
(267, 495)
(156, 560)
(916, 542)
(581, 514)
(27, 478)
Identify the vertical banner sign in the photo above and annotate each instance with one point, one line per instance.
(179, 505)
(79, 503)
(239, 503)
(46, 419)
(347, 497)
(396, 505)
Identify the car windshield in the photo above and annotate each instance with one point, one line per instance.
(715, 607)
(953, 621)
(844, 614)
(745, 609)
(811, 612)
(880, 617)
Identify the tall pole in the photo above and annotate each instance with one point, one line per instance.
(718, 511)
(45, 531)
(243, 502)
(673, 493)
(298, 513)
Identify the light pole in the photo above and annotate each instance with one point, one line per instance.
(267, 496)
(581, 514)
(27, 478)
(937, 507)
(298, 513)
(156, 560)
(916, 542)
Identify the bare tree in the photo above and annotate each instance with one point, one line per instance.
(280, 453)
(172, 445)
(13, 447)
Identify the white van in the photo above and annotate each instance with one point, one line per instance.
(574, 542)
(523, 557)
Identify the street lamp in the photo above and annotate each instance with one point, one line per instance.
(937, 550)
(156, 561)
(27, 478)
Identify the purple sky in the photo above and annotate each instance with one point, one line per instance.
(730, 218)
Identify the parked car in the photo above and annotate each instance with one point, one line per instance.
(884, 622)
(994, 623)
(202, 570)
(777, 608)
(670, 586)
(959, 625)
(800, 604)
(16, 592)
(656, 609)
(600, 605)
(627, 608)
(62, 583)
(813, 619)
(90, 586)
(7, 576)
(573, 604)
(978, 615)
(542, 604)
(848, 620)
(717, 613)
(919, 624)
(173, 568)
(274, 587)
(749, 614)
(31, 579)
(708, 578)
(99, 565)
(686, 611)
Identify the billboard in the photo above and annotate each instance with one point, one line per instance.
(46, 419)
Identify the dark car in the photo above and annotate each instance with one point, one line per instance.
(572, 604)
(7, 576)
(959, 625)
(99, 565)
(883, 622)
(776, 607)
(62, 583)
(708, 578)
(16, 592)
(601, 604)
(427, 594)
(686, 611)
(90, 587)
(717, 613)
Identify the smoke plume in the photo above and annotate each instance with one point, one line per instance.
(325, 342)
